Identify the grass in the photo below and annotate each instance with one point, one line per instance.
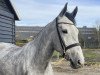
(56, 54)
(92, 55)
(92, 64)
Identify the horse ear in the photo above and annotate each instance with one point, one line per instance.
(63, 10)
(74, 12)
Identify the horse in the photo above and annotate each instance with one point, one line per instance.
(34, 57)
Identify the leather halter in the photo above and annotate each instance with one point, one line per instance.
(64, 47)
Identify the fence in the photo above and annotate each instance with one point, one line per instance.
(90, 44)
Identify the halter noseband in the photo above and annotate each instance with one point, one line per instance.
(64, 47)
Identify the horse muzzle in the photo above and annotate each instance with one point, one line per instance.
(76, 65)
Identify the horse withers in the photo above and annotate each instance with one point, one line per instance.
(33, 58)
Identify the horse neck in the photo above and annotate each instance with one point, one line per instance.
(44, 44)
(41, 49)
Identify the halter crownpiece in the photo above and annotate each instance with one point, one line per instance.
(64, 23)
(64, 47)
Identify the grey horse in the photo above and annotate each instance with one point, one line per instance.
(34, 58)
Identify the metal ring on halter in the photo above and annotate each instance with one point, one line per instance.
(64, 47)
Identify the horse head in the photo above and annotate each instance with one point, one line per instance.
(68, 38)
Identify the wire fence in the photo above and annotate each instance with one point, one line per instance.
(90, 45)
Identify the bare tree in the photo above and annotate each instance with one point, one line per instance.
(98, 31)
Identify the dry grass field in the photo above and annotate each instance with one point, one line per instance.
(61, 67)
(92, 65)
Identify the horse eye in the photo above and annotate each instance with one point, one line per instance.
(64, 31)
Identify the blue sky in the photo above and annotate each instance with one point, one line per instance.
(41, 12)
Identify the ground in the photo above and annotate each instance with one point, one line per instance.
(92, 65)
(61, 67)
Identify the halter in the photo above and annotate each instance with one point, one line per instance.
(64, 47)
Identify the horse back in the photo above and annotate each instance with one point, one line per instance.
(5, 48)
(5, 45)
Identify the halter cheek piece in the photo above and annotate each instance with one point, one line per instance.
(64, 47)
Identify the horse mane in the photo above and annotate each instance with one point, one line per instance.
(42, 30)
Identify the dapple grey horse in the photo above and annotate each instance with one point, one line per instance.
(33, 58)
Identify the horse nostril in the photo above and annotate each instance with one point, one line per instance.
(79, 62)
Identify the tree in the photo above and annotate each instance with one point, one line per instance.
(98, 31)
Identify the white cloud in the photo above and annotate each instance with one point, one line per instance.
(87, 15)
(41, 13)
(31, 9)
(89, 10)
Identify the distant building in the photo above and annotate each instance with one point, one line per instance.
(87, 33)
(7, 21)
(26, 32)
(88, 36)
